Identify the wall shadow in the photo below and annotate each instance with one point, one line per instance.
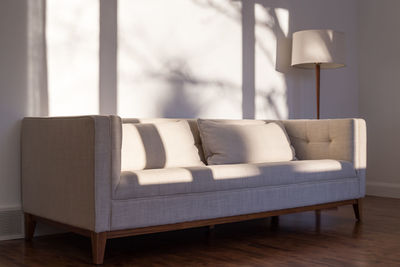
(178, 77)
(248, 60)
(295, 80)
(191, 79)
(37, 85)
(281, 61)
(181, 81)
(108, 46)
(176, 73)
(178, 104)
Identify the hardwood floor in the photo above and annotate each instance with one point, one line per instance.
(293, 240)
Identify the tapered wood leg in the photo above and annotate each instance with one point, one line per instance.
(357, 207)
(318, 220)
(30, 225)
(275, 221)
(210, 232)
(99, 241)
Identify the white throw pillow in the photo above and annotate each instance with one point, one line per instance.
(251, 143)
(158, 145)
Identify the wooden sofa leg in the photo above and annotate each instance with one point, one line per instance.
(317, 220)
(357, 207)
(274, 225)
(30, 225)
(99, 241)
(210, 232)
(275, 221)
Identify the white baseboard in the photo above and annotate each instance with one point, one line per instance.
(383, 189)
(12, 224)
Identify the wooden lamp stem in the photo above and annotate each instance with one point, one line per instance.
(317, 79)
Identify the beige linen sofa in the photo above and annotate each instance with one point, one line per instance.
(72, 177)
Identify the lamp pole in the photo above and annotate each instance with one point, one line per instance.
(317, 80)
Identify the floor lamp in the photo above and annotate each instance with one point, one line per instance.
(318, 49)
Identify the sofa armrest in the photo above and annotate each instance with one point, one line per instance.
(66, 169)
(340, 139)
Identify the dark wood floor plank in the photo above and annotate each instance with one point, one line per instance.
(295, 241)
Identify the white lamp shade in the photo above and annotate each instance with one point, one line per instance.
(324, 47)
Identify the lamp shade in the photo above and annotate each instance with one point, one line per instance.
(323, 47)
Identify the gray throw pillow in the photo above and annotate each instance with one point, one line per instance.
(251, 143)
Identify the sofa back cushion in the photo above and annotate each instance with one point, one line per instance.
(163, 144)
(245, 143)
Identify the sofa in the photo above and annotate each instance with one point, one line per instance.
(91, 175)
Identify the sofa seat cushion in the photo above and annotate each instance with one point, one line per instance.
(171, 181)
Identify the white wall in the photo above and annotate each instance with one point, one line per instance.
(282, 93)
(13, 96)
(202, 83)
(379, 92)
(179, 58)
